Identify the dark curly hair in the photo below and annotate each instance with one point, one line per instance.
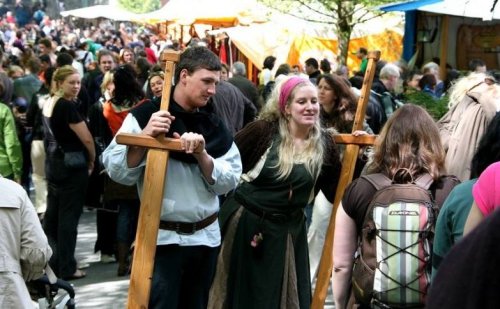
(128, 92)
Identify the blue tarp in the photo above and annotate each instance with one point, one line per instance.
(406, 6)
(409, 8)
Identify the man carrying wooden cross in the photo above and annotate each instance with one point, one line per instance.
(189, 236)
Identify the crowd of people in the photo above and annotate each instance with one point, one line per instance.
(245, 212)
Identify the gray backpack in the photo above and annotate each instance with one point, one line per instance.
(393, 264)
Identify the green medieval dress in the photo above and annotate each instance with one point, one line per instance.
(275, 272)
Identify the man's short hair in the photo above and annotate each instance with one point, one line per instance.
(475, 63)
(269, 62)
(197, 58)
(46, 42)
(45, 58)
(283, 69)
(64, 59)
(312, 62)
(104, 52)
(33, 65)
(363, 51)
(325, 65)
(239, 68)
(389, 70)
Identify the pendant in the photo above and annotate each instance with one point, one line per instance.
(257, 239)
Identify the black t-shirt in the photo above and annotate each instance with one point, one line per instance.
(65, 113)
(360, 192)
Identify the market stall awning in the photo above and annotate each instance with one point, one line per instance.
(483, 9)
(186, 12)
(101, 11)
(406, 6)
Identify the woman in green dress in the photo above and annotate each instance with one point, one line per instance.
(286, 157)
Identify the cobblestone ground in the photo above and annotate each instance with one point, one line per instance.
(101, 288)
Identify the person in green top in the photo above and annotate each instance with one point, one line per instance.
(452, 216)
(362, 54)
(11, 158)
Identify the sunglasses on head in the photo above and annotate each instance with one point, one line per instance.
(488, 80)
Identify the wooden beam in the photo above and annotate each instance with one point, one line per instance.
(363, 140)
(147, 141)
(443, 57)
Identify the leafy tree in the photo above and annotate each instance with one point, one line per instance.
(343, 15)
(140, 6)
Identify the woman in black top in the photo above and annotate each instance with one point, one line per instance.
(65, 132)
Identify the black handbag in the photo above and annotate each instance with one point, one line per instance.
(75, 159)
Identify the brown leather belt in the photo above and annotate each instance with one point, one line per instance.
(186, 228)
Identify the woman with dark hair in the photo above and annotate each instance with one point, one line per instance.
(453, 215)
(408, 147)
(105, 123)
(266, 76)
(143, 67)
(338, 103)
(427, 84)
(264, 260)
(224, 72)
(325, 67)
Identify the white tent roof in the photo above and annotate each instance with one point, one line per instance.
(188, 11)
(275, 38)
(466, 8)
(101, 11)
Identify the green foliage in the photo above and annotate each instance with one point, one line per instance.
(436, 107)
(144, 6)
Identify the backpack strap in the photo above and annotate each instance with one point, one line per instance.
(424, 181)
(378, 180)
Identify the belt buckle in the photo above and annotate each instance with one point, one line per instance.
(178, 230)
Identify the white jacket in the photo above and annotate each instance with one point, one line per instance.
(24, 249)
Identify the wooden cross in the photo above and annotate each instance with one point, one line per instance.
(152, 195)
(348, 163)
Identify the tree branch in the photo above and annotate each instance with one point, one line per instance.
(370, 18)
(303, 3)
(310, 19)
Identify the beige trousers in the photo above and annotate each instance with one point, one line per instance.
(38, 175)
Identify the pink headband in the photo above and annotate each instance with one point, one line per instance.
(287, 89)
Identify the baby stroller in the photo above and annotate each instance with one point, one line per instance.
(57, 295)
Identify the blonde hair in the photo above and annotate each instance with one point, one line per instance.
(465, 84)
(312, 155)
(15, 69)
(106, 80)
(58, 77)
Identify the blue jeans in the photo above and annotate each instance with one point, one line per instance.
(182, 277)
